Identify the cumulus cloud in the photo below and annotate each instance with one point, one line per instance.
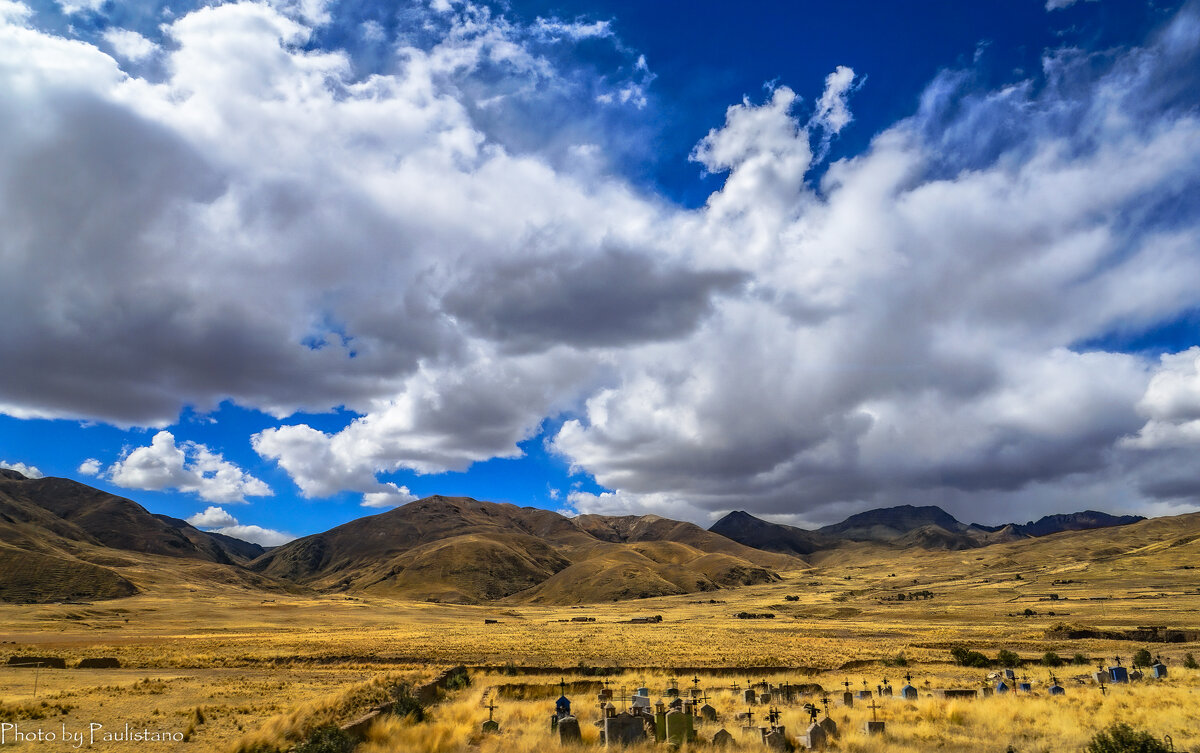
(435, 247)
(391, 496)
(129, 44)
(189, 467)
(90, 467)
(833, 113)
(28, 471)
(217, 520)
(1060, 4)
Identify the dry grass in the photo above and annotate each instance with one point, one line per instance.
(246, 657)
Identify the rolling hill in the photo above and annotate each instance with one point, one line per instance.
(463, 550)
(60, 540)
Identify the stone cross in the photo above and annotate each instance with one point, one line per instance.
(735, 687)
(873, 707)
(749, 717)
(773, 716)
(490, 707)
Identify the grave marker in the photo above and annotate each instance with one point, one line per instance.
(722, 739)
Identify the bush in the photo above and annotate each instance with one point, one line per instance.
(1189, 662)
(406, 704)
(1007, 658)
(1142, 658)
(1121, 738)
(1080, 660)
(899, 660)
(327, 739)
(968, 658)
(458, 679)
(1051, 659)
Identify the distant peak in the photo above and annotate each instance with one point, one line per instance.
(12, 475)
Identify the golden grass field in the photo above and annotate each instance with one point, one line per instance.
(258, 663)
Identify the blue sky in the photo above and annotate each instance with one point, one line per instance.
(273, 266)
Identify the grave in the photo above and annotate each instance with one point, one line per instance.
(987, 691)
(863, 695)
(624, 729)
(749, 696)
(1135, 674)
(764, 698)
(1010, 674)
(708, 713)
(1057, 689)
(830, 727)
(848, 699)
(679, 728)
(1118, 674)
(491, 726)
(1001, 687)
(641, 704)
(776, 740)
(815, 738)
(568, 730)
(873, 727)
(1024, 687)
(908, 693)
(1159, 670)
(1100, 677)
(722, 739)
(959, 693)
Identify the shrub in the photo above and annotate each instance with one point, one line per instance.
(968, 658)
(1189, 662)
(1007, 658)
(899, 660)
(1142, 658)
(1080, 660)
(458, 679)
(406, 704)
(1121, 738)
(1051, 659)
(327, 739)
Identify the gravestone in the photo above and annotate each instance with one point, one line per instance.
(641, 705)
(644, 692)
(960, 693)
(491, 726)
(568, 730)
(749, 696)
(1010, 674)
(862, 695)
(873, 728)
(624, 729)
(1100, 677)
(1001, 687)
(1135, 675)
(679, 728)
(1024, 687)
(830, 727)
(908, 693)
(848, 699)
(708, 713)
(1118, 674)
(764, 698)
(660, 723)
(776, 740)
(815, 738)
(722, 739)
(987, 691)
(1159, 670)
(887, 690)
(1057, 689)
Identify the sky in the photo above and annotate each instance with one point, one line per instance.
(272, 266)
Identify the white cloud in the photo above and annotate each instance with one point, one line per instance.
(90, 467)
(190, 467)
(832, 112)
(129, 44)
(1171, 404)
(212, 517)
(425, 247)
(391, 496)
(28, 471)
(217, 520)
(72, 7)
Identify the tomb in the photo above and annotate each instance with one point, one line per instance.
(568, 731)
(815, 738)
(1118, 674)
(722, 739)
(1159, 670)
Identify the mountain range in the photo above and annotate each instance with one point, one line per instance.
(63, 540)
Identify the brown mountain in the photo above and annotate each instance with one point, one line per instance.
(59, 540)
(461, 549)
(772, 537)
